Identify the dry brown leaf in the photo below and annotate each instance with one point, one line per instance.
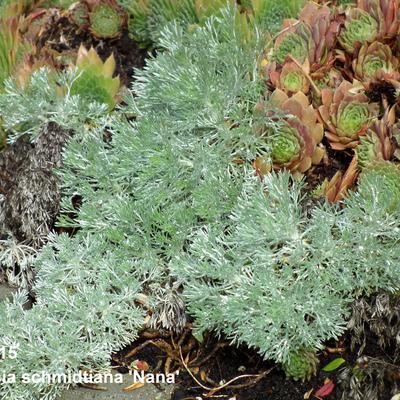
(203, 375)
(307, 395)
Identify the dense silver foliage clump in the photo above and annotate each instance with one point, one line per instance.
(142, 194)
(167, 215)
(280, 280)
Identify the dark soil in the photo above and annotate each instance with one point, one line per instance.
(333, 162)
(230, 362)
(64, 36)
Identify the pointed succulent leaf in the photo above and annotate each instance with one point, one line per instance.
(337, 187)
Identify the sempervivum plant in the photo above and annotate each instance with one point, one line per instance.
(311, 37)
(107, 19)
(296, 41)
(359, 27)
(345, 60)
(78, 13)
(346, 113)
(301, 365)
(378, 142)
(324, 32)
(296, 145)
(291, 78)
(375, 61)
(95, 81)
(386, 13)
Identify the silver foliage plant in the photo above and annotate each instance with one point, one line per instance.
(279, 281)
(164, 207)
(24, 111)
(85, 309)
(142, 195)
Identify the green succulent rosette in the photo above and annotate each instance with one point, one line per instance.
(285, 145)
(106, 19)
(359, 27)
(95, 81)
(295, 145)
(293, 81)
(347, 114)
(375, 60)
(377, 144)
(351, 118)
(291, 78)
(79, 15)
(296, 41)
(301, 365)
(368, 150)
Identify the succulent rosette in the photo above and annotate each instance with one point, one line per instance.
(106, 18)
(359, 27)
(291, 78)
(377, 144)
(386, 12)
(301, 365)
(324, 31)
(296, 145)
(311, 37)
(78, 13)
(375, 61)
(346, 113)
(296, 41)
(95, 81)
